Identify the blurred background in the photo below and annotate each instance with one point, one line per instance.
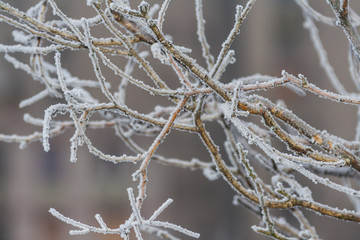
(272, 38)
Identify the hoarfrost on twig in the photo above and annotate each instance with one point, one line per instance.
(200, 96)
(137, 223)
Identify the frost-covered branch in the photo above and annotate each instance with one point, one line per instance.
(137, 222)
(281, 142)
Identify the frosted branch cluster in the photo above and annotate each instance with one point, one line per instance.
(202, 95)
(135, 222)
